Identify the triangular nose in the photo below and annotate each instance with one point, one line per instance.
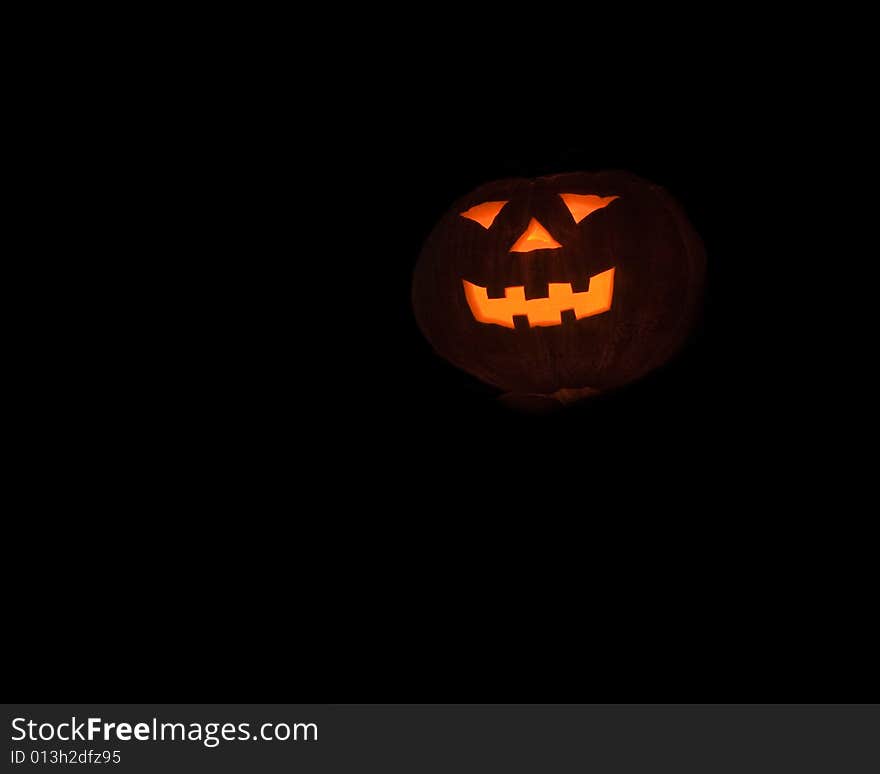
(535, 237)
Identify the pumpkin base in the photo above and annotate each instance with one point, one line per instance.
(540, 403)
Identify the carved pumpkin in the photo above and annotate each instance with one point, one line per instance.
(570, 284)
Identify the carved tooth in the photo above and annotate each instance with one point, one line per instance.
(581, 284)
(495, 289)
(521, 322)
(536, 289)
(568, 316)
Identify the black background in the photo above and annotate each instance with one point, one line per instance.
(273, 490)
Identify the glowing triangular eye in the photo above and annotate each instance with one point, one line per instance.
(582, 205)
(484, 213)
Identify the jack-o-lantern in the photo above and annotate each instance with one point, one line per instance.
(566, 285)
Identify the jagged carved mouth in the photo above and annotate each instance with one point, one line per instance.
(541, 311)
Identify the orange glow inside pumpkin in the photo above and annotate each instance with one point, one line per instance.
(535, 237)
(582, 205)
(541, 311)
(484, 213)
